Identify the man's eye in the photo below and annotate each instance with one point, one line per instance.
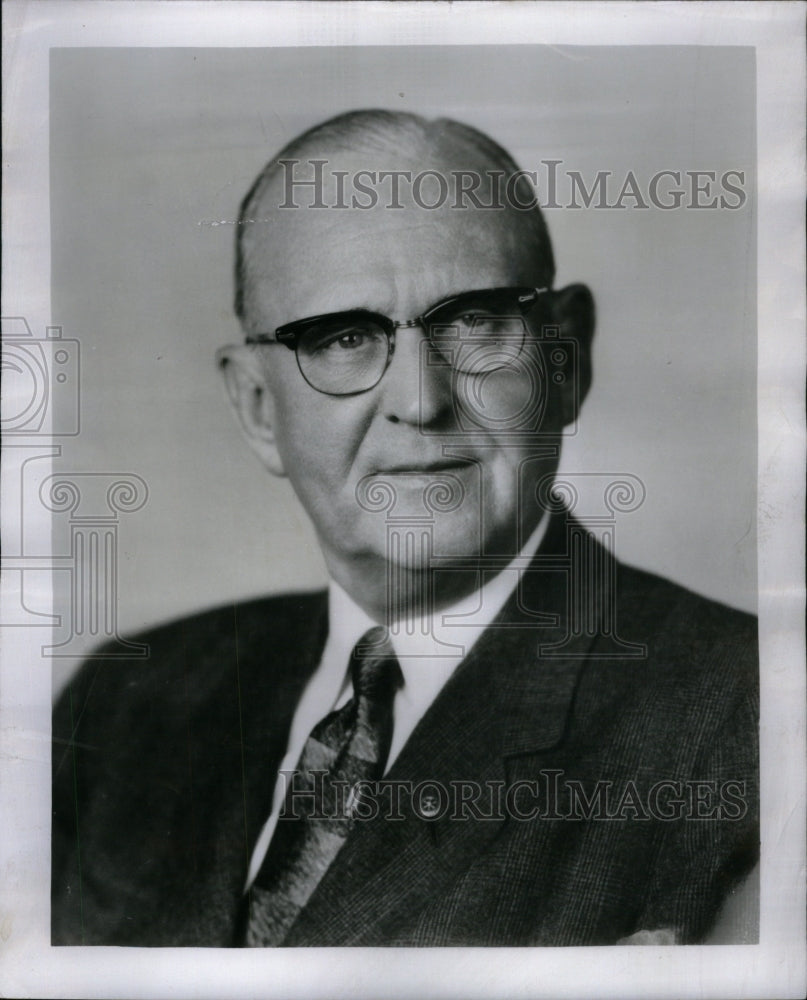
(351, 339)
(482, 322)
(345, 339)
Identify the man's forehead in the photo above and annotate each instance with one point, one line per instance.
(303, 260)
(380, 264)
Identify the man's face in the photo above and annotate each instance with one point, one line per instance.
(421, 425)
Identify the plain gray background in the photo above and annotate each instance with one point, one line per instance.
(151, 153)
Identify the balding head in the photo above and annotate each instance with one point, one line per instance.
(445, 172)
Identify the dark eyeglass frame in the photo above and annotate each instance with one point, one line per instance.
(524, 298)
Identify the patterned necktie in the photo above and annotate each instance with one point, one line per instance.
(349, 745)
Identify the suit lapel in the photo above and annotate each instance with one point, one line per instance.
(271, 677)
(272, 683)
(512, 695)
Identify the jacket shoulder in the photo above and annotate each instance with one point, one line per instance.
(189, 658)
(691, 627)
(664, 597)
(700, 662)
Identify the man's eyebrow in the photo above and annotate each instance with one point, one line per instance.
(351, 309)
(387, 310)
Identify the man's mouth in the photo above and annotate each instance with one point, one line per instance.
(424, 467)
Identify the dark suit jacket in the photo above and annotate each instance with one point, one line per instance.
(164, 773)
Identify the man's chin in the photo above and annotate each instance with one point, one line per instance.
(419, 547)
(416, 540)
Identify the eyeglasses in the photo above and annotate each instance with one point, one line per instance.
(346, 353)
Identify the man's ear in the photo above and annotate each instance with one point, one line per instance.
(573, 311)
(252, 401)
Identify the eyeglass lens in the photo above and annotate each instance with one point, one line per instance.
(342, 357)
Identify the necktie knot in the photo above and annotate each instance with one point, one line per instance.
(374, 668)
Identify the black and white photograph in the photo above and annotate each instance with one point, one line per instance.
(403, 490)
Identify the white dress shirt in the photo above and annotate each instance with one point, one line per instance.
(427, 661)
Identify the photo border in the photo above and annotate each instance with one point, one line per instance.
(774, 967)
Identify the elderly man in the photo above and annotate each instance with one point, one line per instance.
(488, 731)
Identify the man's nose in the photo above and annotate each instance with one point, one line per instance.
(417, 385)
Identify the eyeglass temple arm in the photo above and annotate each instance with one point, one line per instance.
(288, 338)
(526, 299)
(533, 295)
